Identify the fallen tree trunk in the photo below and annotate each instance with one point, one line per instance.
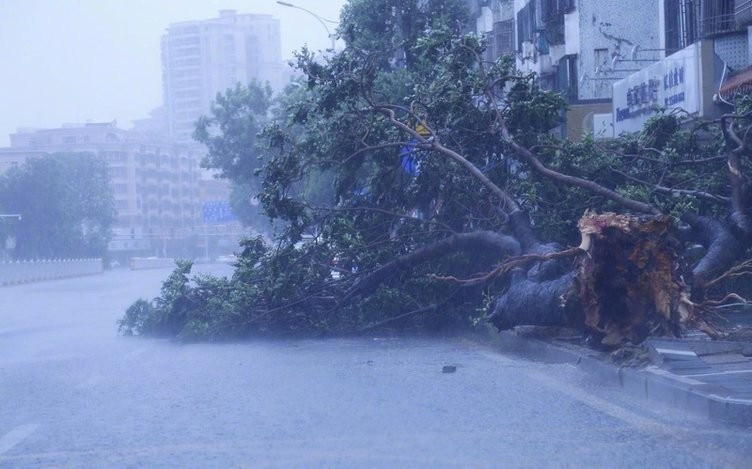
(492, 244)
(722, 251)
(624, 286)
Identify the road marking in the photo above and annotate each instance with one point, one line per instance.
(16, 436)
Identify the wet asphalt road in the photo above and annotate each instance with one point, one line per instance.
(75, 394)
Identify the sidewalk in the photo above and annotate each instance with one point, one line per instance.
(693, 374)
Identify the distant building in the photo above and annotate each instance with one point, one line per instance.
(156, 184)
(206, 57)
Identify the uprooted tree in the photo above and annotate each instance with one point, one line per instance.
(435, 193)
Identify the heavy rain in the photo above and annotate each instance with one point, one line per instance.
(375, 233)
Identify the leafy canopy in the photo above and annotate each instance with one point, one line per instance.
(404, 140)
(66, 203)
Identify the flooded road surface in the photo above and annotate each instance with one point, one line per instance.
(74, 393)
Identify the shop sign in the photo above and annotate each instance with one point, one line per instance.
(672, 83)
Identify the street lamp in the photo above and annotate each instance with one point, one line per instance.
(321, 20)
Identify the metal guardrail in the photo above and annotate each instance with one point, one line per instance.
(16, 272)
(714, 25)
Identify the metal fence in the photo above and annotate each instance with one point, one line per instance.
(690, 20)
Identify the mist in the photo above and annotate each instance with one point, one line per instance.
(99, 61)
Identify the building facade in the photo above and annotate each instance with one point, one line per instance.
(156, 184)
(578, 48)
(607, 57)
(206, 57)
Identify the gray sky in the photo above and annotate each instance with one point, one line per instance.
(98, 60)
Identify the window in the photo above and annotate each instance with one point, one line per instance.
(688, 21)
(601, 57)
(554, 10)
(503, 37)
(717, 17)
(526, 24)
(552, 14)
(117, 171)
(567, 81)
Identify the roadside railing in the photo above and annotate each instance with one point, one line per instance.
(15, 272)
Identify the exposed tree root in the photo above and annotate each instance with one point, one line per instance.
(626, 288)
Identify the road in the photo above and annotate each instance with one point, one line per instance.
(75, 394)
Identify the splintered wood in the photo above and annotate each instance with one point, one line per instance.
(628, 283)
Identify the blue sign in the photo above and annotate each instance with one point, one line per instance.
(218, 212)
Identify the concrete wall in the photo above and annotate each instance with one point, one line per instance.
(34, 271)
(617, 26)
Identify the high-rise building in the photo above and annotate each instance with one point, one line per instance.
(206, 57)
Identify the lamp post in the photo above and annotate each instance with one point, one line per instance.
(321, 20)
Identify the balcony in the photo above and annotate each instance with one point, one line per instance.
(717, 17)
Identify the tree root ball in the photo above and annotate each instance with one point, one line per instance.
(623, 287)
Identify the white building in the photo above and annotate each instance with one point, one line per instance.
(618, 61)
(206, 57)
(704, 64)
(156, 184)
(577, 47)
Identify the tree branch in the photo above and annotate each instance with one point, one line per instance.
(509, 204)
(511, 264)
(476, 240)
(530, 157)
(669, 190)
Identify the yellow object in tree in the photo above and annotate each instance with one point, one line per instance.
(422, 129)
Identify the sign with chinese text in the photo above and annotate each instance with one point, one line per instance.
(675, 82)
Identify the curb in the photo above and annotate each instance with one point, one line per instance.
(650, 382)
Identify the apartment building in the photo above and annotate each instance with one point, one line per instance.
(155, 183)
(617, 61)
(579, 48)
(206, 57)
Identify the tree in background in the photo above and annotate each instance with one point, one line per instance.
(66, 203)
(241, 112)
(452, 200)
